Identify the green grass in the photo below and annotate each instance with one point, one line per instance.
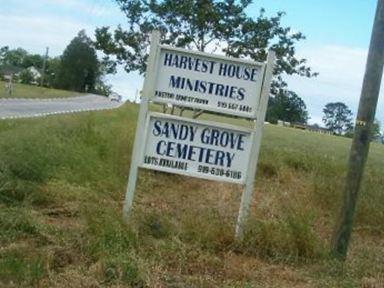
(31, 91)
(62, 184)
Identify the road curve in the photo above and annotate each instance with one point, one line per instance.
(24, 108)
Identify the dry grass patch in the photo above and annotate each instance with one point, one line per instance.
(62, 184)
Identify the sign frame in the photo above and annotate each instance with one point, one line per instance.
(258, 85)
(256, 134)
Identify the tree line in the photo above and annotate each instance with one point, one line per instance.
(77, 69)
(225, 27)
(210, 26)
(338, 119)
(204, 25)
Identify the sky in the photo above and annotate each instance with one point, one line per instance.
(337, 40)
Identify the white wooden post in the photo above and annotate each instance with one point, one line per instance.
(255, 149)
(139, 137)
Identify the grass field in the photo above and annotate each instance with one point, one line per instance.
(31, 91)
(62, 184)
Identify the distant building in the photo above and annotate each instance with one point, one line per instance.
(313, 128)
(36, 73)
(8, 71)
(283, 123)
(12, 72)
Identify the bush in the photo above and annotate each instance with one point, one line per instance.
(26, 77)
(291, 239)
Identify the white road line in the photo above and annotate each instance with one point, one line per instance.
(20, 108)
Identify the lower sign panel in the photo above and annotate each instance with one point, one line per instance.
(196, 148)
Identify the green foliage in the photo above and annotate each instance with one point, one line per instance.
(52, 72)
(19, 265)
(209, 229)
(16, 223)
(337, 117)
(29, 91)
(292, 239)
(34, 60)
(111, 241)
(110, 236)
(376, 134)
(287, 106)
(103, 89)
(18, 61)
(122, 269)
(14, 267)
(26, 77)
(25, 162)
(12, 57)
(203, 25)
(3, 53)
(79, 67)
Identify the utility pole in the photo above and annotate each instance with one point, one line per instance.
(44, 66)
(10, 85)
(360, 144)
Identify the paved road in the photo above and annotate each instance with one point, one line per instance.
(22, 108)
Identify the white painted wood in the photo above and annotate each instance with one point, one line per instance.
(144, 117)
(233, 170)
(210, 55)
(209, 85)
(139, 137)
(203, 122)
(255, 149)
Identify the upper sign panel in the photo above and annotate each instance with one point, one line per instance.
(208, 82)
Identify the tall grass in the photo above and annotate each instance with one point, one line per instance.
(32, 91)
(62, 183)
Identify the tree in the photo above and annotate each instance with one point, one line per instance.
(79, 68)
(376, 131)
(3, 52)
(52, 72)
(287, 106)
(375, 134)
(205, 25)
(34, 60)
(13, 57)
(337, 117)
(350, 132)
(26, 77)
(101, 88)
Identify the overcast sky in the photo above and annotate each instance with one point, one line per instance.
(337, 32)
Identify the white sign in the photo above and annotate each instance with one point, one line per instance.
(200, 148)
(196, 148)
(208, 82)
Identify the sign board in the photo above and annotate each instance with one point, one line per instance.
(202, 149)
(207, 82)
(196, 148)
